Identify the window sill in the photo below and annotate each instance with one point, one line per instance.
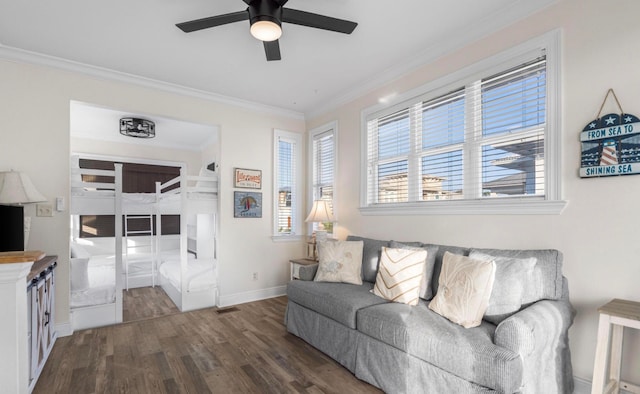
(520, 206)
(286, 238)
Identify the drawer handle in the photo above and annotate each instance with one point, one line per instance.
(46, 314)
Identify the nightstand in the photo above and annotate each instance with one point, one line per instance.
(297, 263)
(614, 317)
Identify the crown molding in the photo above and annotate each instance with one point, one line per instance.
(518, 11)
(39, 59)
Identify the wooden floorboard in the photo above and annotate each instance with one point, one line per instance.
(247, 350)
(146, 303)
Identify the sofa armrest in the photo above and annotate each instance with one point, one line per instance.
(307, 272)
(539, 334)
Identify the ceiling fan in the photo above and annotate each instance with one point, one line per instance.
(266, 17)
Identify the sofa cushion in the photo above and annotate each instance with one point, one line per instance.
(400, 274)
(437, 267)
(340, 261)
(338, 301)
(465, 288)
(467, 353)
(546, 279)
(370, 256)
(426, 291)
(512, 278)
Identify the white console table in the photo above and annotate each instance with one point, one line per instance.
(26, 332)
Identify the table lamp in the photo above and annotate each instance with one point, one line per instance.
(321, 214)
(16, 189)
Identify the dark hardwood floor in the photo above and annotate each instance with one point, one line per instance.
(146, 302)
(245, 349)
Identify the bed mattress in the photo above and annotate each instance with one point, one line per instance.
(200, 274)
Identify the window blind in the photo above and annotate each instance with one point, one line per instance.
(323, 164)
(482, 140)
(513, 129)
(286, 183)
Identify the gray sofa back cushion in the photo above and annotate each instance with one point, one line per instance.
(546, 278)
(370, 256)
(437, 268)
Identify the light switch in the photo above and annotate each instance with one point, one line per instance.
(60, 204)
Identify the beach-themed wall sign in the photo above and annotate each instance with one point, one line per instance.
(247, 204)
(610, 144)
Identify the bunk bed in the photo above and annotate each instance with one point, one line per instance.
(96, 294)
(190, 279)
(100, 274)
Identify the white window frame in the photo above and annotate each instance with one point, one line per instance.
(550, 203)
(296, 193)
(332, 128)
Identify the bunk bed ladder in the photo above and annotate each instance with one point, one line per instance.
(146, 231)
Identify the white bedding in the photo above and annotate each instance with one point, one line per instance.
(200, 273)
(101, 277)
(101, 273)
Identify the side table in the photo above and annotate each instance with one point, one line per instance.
(296, 264)
(614, 316)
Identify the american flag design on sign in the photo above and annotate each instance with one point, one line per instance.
(611, 146)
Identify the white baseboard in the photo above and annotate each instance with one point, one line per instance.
(64, 329)
(582, 386)
(250, 296)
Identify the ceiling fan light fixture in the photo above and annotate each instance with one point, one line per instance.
(266, 30)
(138, 128)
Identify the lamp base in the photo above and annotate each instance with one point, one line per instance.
(321, 235)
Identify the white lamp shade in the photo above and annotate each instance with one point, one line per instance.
(320, 212)
(16, 188)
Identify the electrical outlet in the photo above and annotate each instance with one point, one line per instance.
(255, 276)
(45, 210)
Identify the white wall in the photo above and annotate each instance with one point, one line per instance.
(34, 138)
(597, 232)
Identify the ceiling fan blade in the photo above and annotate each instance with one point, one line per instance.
(272, 50)
(280, 2)
(213, 21)
(318, 21)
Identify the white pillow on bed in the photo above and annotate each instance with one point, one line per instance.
(78, 250)
(207, 173)
(79, 273)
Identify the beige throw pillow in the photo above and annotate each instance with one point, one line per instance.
(464, 289)
(340, 261)
(400, 274)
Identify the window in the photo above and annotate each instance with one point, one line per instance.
(287, 169)
(488, 140)
(322, 165)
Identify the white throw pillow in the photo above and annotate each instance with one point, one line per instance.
(78, 250)
(79, 273)
(340, 261)
(400, 274)
(464, 289)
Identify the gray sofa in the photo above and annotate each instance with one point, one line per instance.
(411, 349)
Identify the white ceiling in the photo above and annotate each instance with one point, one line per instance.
(318, 68)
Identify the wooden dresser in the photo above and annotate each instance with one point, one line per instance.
(27, 290)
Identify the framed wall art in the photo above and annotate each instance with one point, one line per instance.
(247, 204)
(247, 179)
